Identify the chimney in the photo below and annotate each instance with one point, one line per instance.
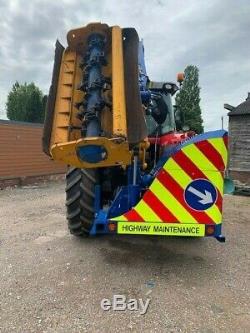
(248, 97)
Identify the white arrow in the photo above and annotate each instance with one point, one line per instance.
(205, 198)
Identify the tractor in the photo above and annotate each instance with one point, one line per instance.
(129, 170)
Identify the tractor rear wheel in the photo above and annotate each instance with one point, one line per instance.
(80, 199)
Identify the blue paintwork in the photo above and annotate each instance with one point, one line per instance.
(143, 77)
(100, 225)
(145, 96)
(97, 199)
(217, 232)
(91, 153)
(204, 136)
(93, 84)
(126, 198)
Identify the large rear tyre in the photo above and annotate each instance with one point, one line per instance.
(80, 199)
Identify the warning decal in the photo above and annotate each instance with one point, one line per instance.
(167, 229)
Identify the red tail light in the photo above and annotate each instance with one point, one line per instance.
(210, 229)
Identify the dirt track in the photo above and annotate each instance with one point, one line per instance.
(53, 282)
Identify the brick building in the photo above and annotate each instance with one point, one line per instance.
(21, 157)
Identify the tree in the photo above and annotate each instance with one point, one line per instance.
(26, 102)
(188, 100)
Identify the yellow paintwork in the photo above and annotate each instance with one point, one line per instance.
(118, 87)
(143, 146)
(63, 103)
(117, 153)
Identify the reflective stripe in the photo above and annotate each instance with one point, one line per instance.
(170, 201)
(178, 192)
(198, 158)
(219, 145)
(212, 154)
(183, 179)
(194, 172)
(146, 212)
(162, 211)
(132, 215)
(203, 164)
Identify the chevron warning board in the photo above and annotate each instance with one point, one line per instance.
(189, 186)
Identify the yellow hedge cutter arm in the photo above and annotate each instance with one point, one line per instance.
(92, 116)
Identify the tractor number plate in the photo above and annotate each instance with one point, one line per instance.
(162, 229)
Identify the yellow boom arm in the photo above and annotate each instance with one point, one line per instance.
(64, 138)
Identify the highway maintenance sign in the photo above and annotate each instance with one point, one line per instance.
(161, 229)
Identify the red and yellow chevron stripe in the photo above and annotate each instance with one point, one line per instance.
(164, 200)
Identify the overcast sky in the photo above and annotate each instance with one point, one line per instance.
(211, 34)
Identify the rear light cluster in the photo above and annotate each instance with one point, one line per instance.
(210, 229)
(112, 226)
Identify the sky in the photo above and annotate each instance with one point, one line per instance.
(213, 35)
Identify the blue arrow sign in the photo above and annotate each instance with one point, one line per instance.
(200, 194)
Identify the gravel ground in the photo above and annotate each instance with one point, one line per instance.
(53, 282)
